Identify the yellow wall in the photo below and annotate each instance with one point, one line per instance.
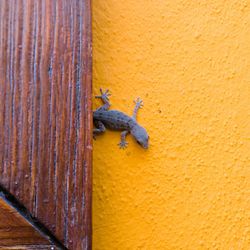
(190, 63)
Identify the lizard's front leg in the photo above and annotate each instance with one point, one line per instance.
(105, 98)
(123, 144)
(100, 128)
(138, 104)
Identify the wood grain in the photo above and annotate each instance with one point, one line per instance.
(16, 232)
(45, 113)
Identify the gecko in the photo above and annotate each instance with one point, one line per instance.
(117, 120)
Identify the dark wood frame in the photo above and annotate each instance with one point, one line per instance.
(46, 113)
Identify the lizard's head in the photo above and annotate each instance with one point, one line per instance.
(141, 135)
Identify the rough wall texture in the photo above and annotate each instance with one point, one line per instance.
(189, 61)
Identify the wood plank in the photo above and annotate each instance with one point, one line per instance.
(45, 113)
(28, 247)
(17, 232)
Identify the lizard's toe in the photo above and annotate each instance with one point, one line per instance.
(139, 102)
(106, 94)
(123, 145)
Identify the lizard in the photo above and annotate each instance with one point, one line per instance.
(117, 120)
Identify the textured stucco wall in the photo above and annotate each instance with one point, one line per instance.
(190, 63)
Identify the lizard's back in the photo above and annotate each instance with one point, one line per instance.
(114, 119)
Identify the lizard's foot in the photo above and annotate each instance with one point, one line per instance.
(138, 102)
(104, 95)
(123, 144)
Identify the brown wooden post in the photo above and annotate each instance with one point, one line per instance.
(45, 113)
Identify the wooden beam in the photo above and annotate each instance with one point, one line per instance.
(45, 113)
(17, 232)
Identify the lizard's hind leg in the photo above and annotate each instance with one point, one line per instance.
(105, 99)
(100, 128)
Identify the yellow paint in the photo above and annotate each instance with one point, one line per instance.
(190, 63)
